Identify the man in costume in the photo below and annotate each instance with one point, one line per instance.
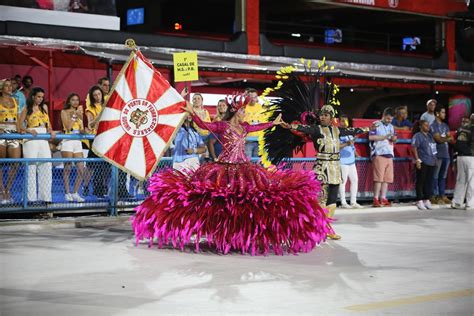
(325, 138)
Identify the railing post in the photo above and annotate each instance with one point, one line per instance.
(25, 185)
(114, 191)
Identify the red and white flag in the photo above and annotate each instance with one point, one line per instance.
(140, 119)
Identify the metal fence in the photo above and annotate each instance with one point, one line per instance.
(105, 187)
(40, 184)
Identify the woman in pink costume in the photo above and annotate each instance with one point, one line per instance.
(233, 203)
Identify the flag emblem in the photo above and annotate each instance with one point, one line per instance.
(140, 118)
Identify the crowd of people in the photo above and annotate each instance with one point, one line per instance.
(23, 110)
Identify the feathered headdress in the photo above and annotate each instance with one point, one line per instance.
(298, 102)
(237, 101)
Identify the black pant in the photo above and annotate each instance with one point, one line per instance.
(424, 182)
(329, 195)
(100, 173)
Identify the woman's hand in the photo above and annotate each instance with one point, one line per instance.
(278, 120)
(184, 92)
(53, 134)
(1, 131)
(33, 132)
(188, 108)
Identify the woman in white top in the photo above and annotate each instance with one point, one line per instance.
(72, 120)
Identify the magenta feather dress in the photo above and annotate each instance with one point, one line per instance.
(236, 205)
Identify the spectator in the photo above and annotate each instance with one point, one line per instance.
(18, 80)
(104, 85)
(188, 145)
(18, 95)
(203, 115)
(215, 146)
(429, 115)
(400, 121)
(348, 166)
(79, 6)
(253, 115)
(35, 117)
(464, 147)
(382, 140)
(72, 121)
(440, 132)
(424, 150)
(27, 83)
(9, 123)
(100, 171)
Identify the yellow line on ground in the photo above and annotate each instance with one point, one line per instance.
(411, 300)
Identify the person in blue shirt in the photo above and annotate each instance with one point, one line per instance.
(400, 121)
(424, 150)
(188, 145)
(348, 167)
(18, 95)
(381, 152)
(440, 132)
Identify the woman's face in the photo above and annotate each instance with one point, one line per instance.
(197, 100)
(221, 107)
(325, 119)
(74, 101)
(240, 114)
(38, 98)
(7, 88)
(97, 95)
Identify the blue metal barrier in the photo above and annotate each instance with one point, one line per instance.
(122, 190)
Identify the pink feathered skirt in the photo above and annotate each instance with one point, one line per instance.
(236, 207)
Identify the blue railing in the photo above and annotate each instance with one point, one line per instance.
(122, 191)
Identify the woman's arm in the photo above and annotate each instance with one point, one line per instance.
(257, 127)
(215, 127)
(66, 120)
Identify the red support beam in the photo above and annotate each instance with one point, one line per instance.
(252, 26)
(451, 44)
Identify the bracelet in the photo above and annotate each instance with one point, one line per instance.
(419, 160)
(194, 151)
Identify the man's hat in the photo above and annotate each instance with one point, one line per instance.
(431, 100)
(327, 108)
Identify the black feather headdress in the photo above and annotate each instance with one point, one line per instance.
(297, 101)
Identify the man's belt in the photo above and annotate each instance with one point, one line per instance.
(329, 156)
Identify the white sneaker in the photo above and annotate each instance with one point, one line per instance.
(457, 206)
(76, 197)
(428, 204)
(68, 197)
(356, 205)
(420, 205)
(345, 205)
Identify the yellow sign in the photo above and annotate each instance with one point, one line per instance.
(185, 66)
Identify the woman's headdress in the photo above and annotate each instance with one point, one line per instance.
(237, 101)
